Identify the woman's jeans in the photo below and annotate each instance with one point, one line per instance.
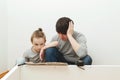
(53, 55)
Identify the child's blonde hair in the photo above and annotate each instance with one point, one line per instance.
(38, 34)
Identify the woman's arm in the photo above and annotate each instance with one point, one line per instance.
(79, 44)
(52, 44)
(74, 43)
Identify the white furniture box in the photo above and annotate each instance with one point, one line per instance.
(64, 72)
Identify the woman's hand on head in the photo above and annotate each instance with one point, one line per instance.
(70, 28)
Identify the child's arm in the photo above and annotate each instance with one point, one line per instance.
(52, 44)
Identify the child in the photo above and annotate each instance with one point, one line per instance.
(38, 40)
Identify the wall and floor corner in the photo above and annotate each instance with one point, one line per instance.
(98, 20)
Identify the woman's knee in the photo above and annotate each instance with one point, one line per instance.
(87, 60)
(50, 54)
(50, 51)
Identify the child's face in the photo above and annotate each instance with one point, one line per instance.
(38, 43)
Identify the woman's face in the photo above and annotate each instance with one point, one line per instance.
(63, 36)
(38, 43)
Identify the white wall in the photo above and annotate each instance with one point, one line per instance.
(99, 20)
(3, 36)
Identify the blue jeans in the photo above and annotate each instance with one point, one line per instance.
(53, 55)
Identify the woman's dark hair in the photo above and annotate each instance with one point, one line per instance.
(62, 25)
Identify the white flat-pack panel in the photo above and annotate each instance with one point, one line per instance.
(72, 72)
(65, 72)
